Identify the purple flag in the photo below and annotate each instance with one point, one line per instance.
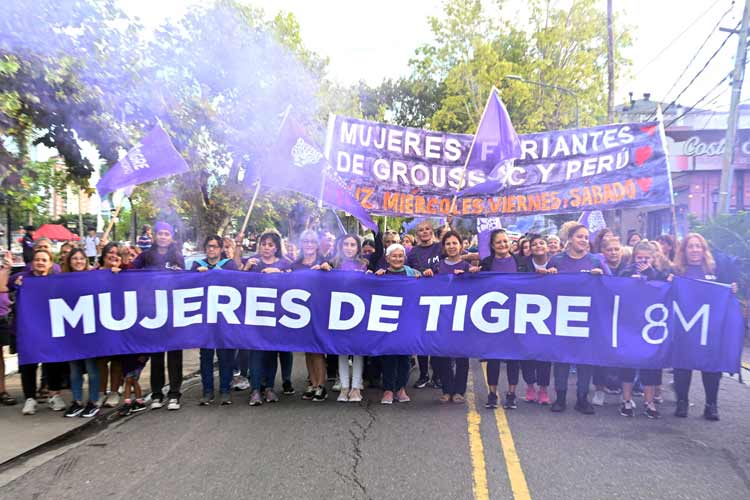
(155, 157)
(496, 140)
(593, 220)
(296, 163)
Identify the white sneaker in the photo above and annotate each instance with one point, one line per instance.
(113, 400)
(57, 403)
(100, 402)
(336, 386)
(156, 403)
(29, 407)
(174, 404)
(240, 383)
(598, 399)
(343, 395)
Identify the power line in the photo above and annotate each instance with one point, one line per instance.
(700, 49)
(700, 72)
(669, 45)
(691, 108)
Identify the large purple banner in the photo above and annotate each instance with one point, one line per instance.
(405, 171)
(575, 318)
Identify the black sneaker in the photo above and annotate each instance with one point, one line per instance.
(682, 408)
(321, 394)
(287, 388)
(309, 393)
(91, 410)
(137, 406)
(436, 383)
(560, 404)
(491, 401)
(124, 410)
(711, 412)
(75, 410)
(584, 406)
(626, 409)
(509, 403)
(651, 413)
(421, 382)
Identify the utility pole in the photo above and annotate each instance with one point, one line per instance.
(610, 65)
(727, 165)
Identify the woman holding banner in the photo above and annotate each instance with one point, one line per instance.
(396, 366)
(453, 382)
(641, 267)
(41, 266)
(695, 260)
(536, 372)
(576, 258)
(348, 258)
(110, 367)
(212, 246)
(75, 262)
(164, 254)
(501, 260)
(311, 258)
(269, 259)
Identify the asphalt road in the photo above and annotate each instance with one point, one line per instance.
(422, 449)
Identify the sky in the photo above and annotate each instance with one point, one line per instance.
(374, 40)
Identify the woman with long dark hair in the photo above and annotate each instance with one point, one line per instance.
(575, 258)
(453, 380)
(502, 260)
(269, 259)
(164, 254)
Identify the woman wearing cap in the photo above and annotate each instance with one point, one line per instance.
(396, 366)
(501, 260)
(694, 260)
(164, 254)
(453, 382)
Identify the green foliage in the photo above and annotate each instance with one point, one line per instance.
(730, 234)
(472, 52)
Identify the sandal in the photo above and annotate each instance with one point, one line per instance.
(445, 398)
(459, 398)
(6, 399)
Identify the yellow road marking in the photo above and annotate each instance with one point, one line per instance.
(479, 468)
(512, 461)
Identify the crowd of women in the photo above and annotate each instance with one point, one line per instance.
(425, 255)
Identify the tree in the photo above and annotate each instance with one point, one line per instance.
(472, 52)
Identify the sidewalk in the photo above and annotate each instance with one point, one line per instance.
(23, 433)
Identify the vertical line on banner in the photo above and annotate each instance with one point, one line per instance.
(615, 315)
(512, 461)
(476, 448)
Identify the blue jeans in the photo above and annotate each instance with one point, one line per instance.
(76, 379)
(226, 358)
(395, 372)
(262, 369)
(242, 362)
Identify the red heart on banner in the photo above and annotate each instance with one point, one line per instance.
(649, 130)
(644, 183)
(642, 154)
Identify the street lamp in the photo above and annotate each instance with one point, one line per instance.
(556, 87)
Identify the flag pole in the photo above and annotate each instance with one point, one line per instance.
(257, 183)
(111, 223)
(663, 139)
(468, 156)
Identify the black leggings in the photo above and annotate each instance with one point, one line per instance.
(55, 374)
(534, 372)
(710, 384)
